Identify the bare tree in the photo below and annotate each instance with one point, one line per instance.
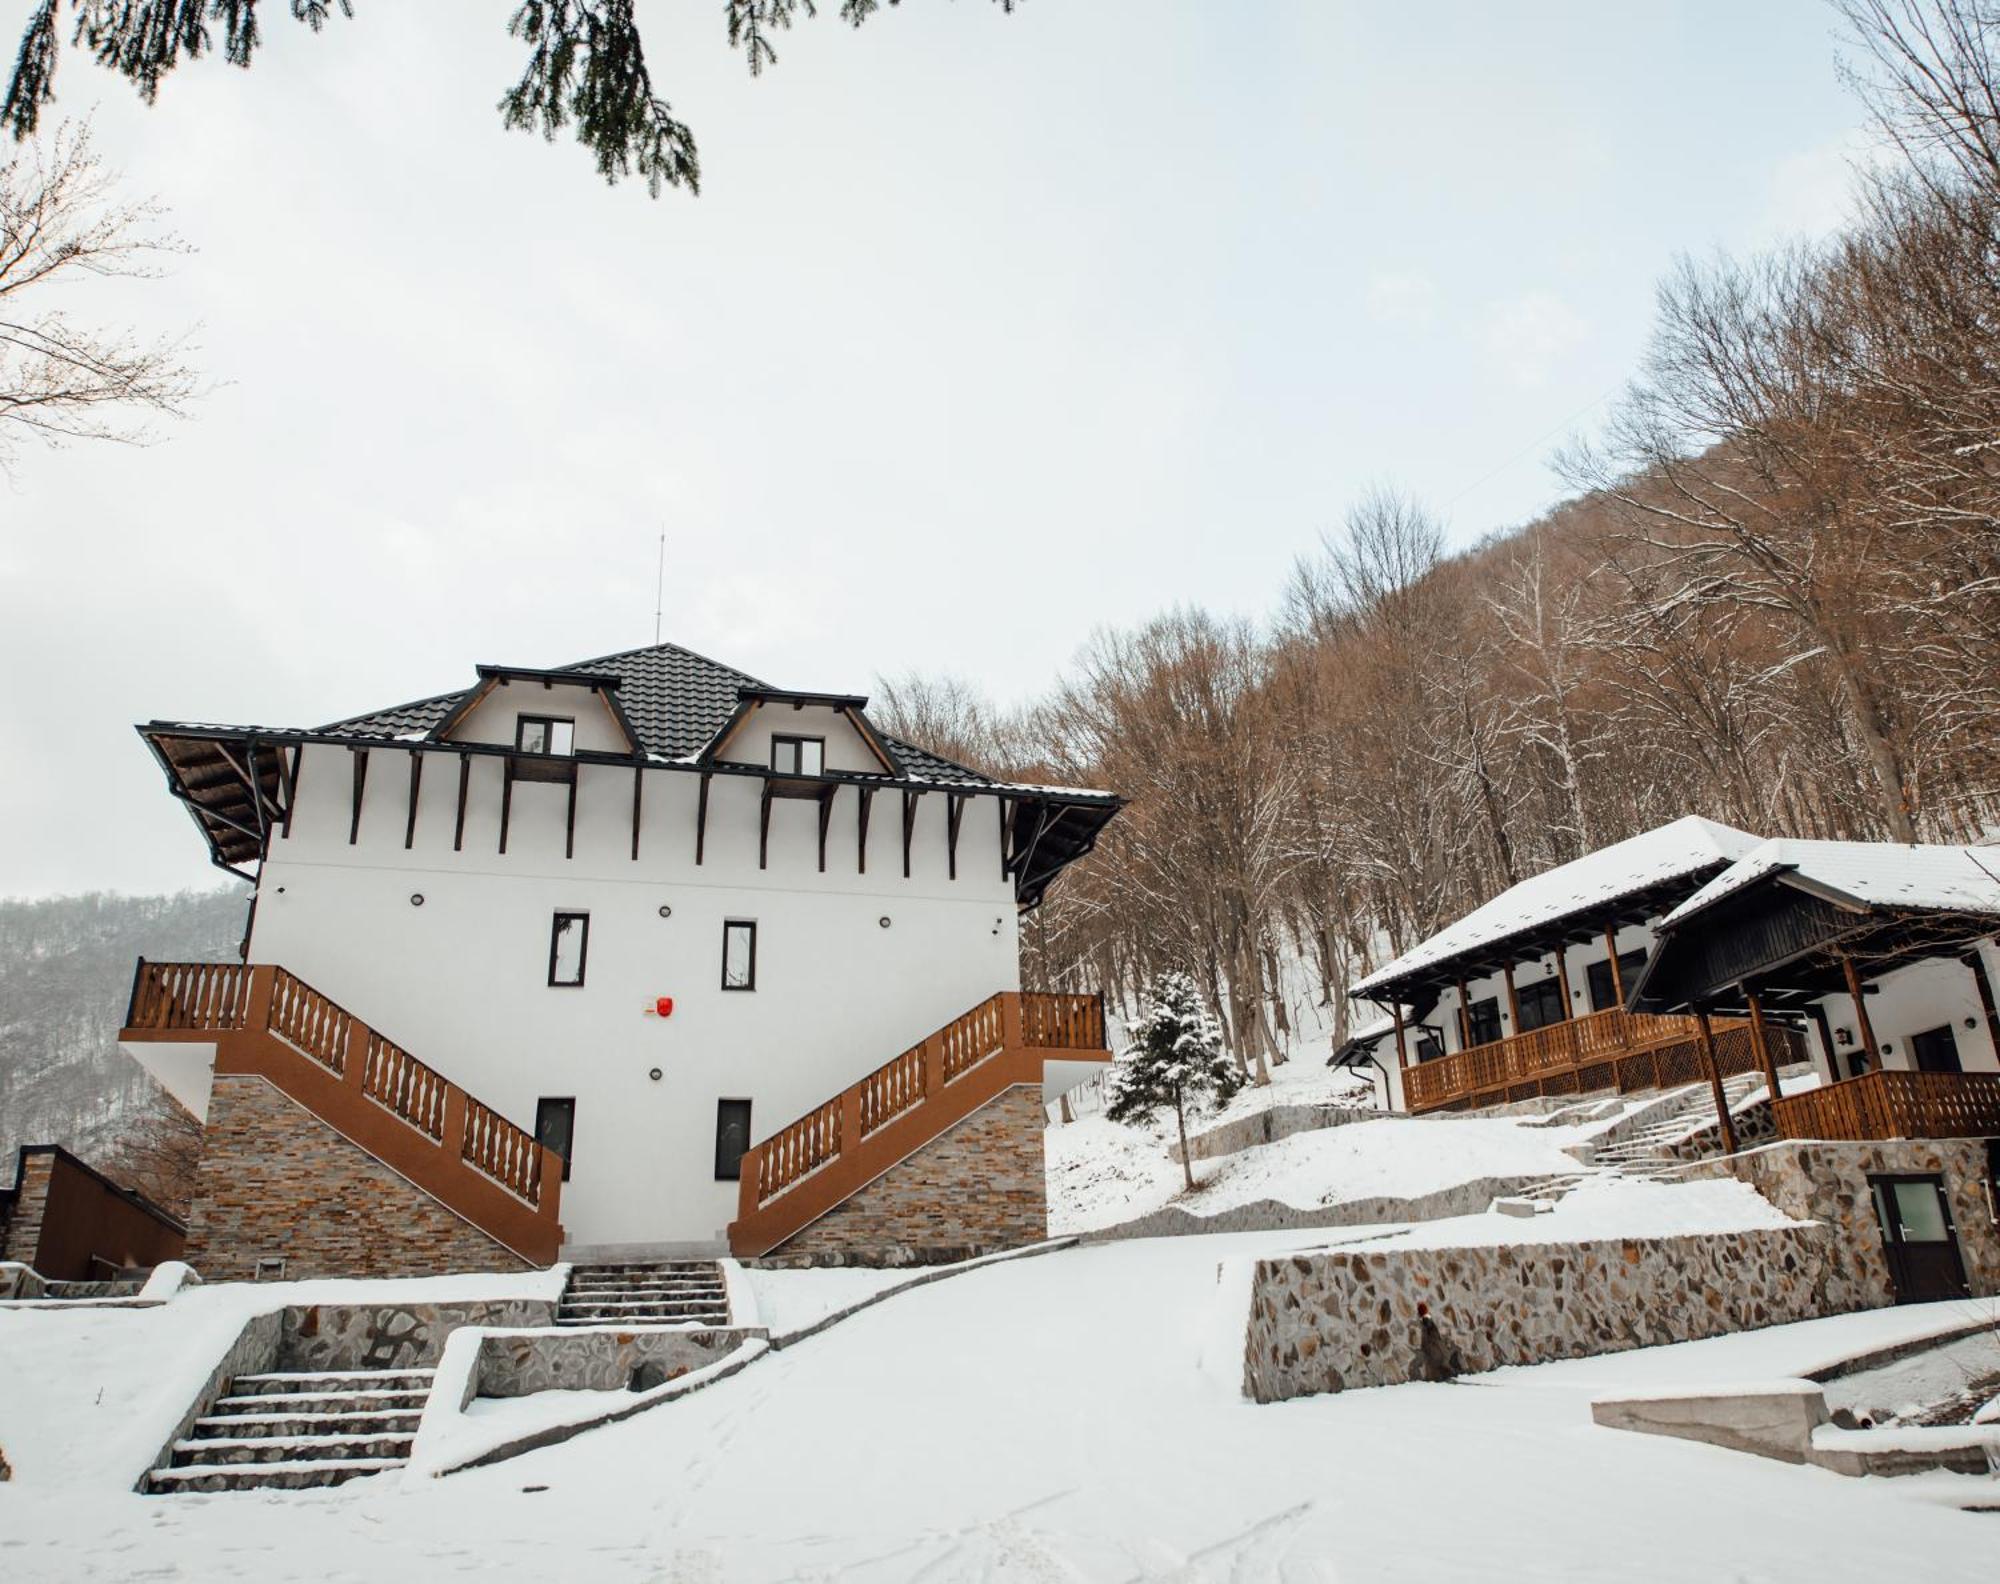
(62, 378)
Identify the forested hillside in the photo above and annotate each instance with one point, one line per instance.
(65, 975)
(1774, 600)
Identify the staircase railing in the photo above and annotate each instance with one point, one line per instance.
(808, 1166)
(267, 1022)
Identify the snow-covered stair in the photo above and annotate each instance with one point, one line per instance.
(299, 1431)
(685, 1292)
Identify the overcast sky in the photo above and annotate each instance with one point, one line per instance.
(986, 331)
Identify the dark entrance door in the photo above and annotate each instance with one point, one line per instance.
(1936, 1050)
(1922, 1244)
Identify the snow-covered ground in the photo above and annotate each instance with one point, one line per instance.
(1074, 1416)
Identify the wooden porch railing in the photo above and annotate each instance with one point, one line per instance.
(267, 1022)
(1614, 1049)
(1896, 1105)
(808, 1166)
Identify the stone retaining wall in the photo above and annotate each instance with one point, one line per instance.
(1267, 1215)
(276, 1182)
(1334, 1320)
(254, 1352)
(591, 1360)
(393, 1336)
(1270, 1125)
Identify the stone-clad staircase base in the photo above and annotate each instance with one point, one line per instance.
(299, 1431)
(678, 1293)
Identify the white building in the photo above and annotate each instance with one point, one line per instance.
(643, 906)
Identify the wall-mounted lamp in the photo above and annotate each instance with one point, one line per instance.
(883, 921)
(1972, 1023)
(1843, 1036)
(654, 1074)
(416, 899)
(665, 911)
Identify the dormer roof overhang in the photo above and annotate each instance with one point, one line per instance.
(749, 700)
(604, 684)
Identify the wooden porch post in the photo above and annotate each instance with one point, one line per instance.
(1402, 1051)
(1562, 974)
(1465, 1018)
(1760, 1041)
(1985, 982)
(1513, 1001)
(1617, 978)
(1867, 1029)
(1715, 1080)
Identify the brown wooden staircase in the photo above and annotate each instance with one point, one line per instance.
(805, 1169)
(265, 1022)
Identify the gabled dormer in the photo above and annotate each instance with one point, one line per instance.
(548, 717)
(801, 738)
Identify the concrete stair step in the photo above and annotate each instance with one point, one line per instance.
(715, 1322)
(303, 1475)
(247, 1424)
(715, 1316)
(290, 1449)
(575, 1293)
(333, 1381)
(328, 1402)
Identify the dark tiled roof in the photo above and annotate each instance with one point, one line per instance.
(676, 700)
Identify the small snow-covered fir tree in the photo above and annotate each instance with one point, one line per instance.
(1176, 1060)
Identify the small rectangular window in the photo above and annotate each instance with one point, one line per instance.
(739, 955)
(732, 1138)
(569, 944)
(799, 756)
(1484, 1017)
(555, 1126)
(545, 734)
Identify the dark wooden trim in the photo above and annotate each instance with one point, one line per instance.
(1464, 1017)
(1826, 1041)
(416, 788)
(292, 786)
(582, 957)
(825, 819)
(1865, 1031)
(360, 780)
(569, 819)
(909, 825)
(800, 739)
(1513, 1001)
(1727, 1127)
(1562, 981)
(506, 799)
(638, 790)
(739, 924)
(764, 828)
(1760, 1040)
(464, 779)
(1402, 1046)
(861, 839)
(954, 816)
(521, 725)
(701, 820)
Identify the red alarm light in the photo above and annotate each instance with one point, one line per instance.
(664, 1006)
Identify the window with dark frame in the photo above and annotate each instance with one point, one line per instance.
(555, 1126)
(1541, 1005)
(732, 1138)
(569, 945)
(554, 735)
(798, 756)
(739, 955)
(1484, 1016)
(1936, 1050)
(1603, 993)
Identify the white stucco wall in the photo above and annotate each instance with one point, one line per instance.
(846, 751)
(1912, 1000)
(461, 981)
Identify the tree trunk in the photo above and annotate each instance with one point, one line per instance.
(1187, 1160)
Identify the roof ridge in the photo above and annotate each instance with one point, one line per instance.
(658, 648)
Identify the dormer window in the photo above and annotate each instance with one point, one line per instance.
(798, 756)
(550, 735)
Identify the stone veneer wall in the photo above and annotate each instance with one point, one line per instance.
(275, 1180)
(978, 1187)
(1336, 1320)
(254, 1351)
(21, 1237)
(578, 1359)
(1827, 1181)
(1268, 1215)
(391, 1335)
(1270, 1125)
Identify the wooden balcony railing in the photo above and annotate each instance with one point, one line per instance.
(265, 1021)
(1896, 1105)
(1614, 1049)
(808, 1166)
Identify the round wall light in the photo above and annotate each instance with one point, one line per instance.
(416, 899)
(883, 921)
(665, 911)
(654, 1075)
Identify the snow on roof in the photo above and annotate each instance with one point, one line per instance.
(1881, 874)
(1687, 846)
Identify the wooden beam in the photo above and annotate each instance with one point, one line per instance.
(954, 814)
(1760, 1039)
(764, 827)
(1715, 1080)
(825, 819)
(464, 779)
(861, 840)
(638, 789)
(1866, 1029)
(1464, 1017)
(909, 825)
(1617, 978)
(1007, 808)
(1402, 1048)
(506, 798)
(360, 780)
(569, 819)
(701, 820)
(292, 786)
(1513, 999)
(1562, 975)
(1984, 981)
(416, 787)
(1818, 1014)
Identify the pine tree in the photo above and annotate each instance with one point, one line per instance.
(1176, 1060)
